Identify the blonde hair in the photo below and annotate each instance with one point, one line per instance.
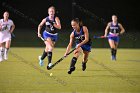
(114, 15)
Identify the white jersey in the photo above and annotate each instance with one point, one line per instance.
(5, 35)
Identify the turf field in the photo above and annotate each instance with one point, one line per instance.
(22, 73)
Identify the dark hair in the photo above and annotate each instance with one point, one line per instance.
(78, 21)
(6, 12)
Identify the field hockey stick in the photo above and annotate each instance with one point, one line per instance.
(103, 36)
(13, 35)
(42, 38)
(60, 59)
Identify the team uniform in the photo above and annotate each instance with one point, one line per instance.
(5, 35)
(80, 37)
(114, 29)
(50, 30)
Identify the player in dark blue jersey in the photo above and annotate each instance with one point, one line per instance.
(50, 34)
(83, 43)
(115, 29)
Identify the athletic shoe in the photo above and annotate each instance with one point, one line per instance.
(1, 57)
(5, 56)
(71, 70)
(49, 66)
(41, 63)
(113, 57)
(83, 66)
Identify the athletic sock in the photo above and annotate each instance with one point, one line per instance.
(115, 52)
(112, 51)
(1, 50)
(5, 53)
(84, 65)
(6, 50)
(73, 62)
(44, 55)
(49, 57)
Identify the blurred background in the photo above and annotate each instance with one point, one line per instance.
(27, 14)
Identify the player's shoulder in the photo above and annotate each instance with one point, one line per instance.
(72, 34)
(109, 23)
(10, 20)
(1, 19)
(44, 19)
(56, 17)
(119, 24)
(84, 28)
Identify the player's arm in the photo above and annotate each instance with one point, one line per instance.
(57, 24)
(40, 26)
(121, 28)
(107, 28)
(86, 34)
(70, 44)
(12, 28)
(0, 26)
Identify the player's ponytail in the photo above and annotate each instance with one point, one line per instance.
(78, 21)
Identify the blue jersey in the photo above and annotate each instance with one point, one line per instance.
(49, 25)
(79, 37)
(114, 28)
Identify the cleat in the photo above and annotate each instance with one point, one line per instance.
(41, 63)
(83, 66)
(5, 54)
(113, 58)
(1, 58)
(5, 57)
(49, 66)
(71, 70)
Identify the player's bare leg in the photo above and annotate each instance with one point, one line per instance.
(7, 46)
(50, 45)
(1, 51)
(113, 48)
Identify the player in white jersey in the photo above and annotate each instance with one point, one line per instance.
(6, 28)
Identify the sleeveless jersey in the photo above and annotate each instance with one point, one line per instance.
(49, 26)
(114, 28)
(79, 37)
